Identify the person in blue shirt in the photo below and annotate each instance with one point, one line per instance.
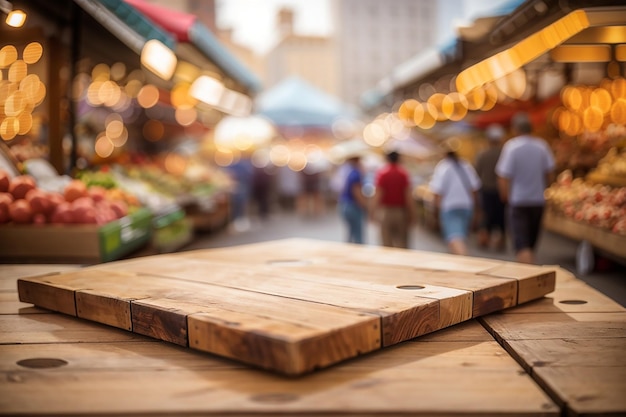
(525, 168)
(352, 202)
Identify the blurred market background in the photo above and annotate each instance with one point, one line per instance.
(156, 126)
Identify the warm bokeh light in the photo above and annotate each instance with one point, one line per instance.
(32, 53)
(601, 99)
(148, 96)
(109, 93)
(454, 106)
(93, 93)
(593, 118)
(618, 111)
(279, 155)
(618, 88)
(9, 128)
(101, 72)
(8, 55)
(180, 97)
(425, 116)
(25, 121)
(375, 134)
(436, 101)
(207, 89)
(114, 130)
(103, 147)
(15, 104)
(297, 161)
(406, 111)
(185, 116)
(17, 71)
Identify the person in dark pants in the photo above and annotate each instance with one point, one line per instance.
(492, 229)
(525, 168)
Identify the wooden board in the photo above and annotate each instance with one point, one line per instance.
(573, 343)
(290, 306)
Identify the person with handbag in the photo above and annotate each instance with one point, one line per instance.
(455, 185)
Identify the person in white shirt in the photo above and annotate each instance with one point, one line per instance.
(455, 185)
(525, 168)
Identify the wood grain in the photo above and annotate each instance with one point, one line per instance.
(291, 306)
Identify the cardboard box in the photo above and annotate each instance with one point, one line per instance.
(75, 243)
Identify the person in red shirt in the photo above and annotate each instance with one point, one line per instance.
(392, 203)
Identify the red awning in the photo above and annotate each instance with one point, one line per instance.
(175, 22)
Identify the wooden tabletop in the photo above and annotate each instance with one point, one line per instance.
(561, 354)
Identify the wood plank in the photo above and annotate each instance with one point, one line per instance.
(314, 304)
(569, 352)
(57, 298)
(489, 293)
(404, 315)
(150, 379)
(539, 326)
(585, 390)
(577, 357)
(534, 281)
(106, 297)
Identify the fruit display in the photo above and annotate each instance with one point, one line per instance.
(192, 184)
(23, 202)
(598, 205)
(611, 168)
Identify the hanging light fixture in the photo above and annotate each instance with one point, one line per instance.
(159, 59)
(15, 18)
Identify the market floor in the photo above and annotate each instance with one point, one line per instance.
(608, 278)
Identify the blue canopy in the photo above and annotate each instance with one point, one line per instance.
(294, 102)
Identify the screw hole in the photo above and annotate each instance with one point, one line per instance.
(41, 363)
(410, 287)
(573, 302)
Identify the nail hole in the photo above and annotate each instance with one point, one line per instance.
(274, 397)
(410, 287)
(289, 262)
(41, 363)
(573, 302)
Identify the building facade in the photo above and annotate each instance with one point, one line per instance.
(311, 58)
(372, 37)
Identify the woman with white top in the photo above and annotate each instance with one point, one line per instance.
(455, 184)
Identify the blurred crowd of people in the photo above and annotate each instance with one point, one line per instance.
(499, 195)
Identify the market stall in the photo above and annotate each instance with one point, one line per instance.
(564, 66)
(82, 93)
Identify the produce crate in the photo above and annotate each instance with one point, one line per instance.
(80, 243)
(171, 231)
